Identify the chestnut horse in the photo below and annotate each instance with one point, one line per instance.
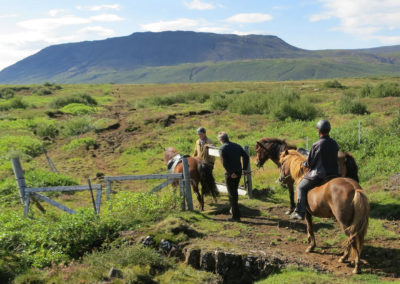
(342, 198)
(199, 171)
(271, 148)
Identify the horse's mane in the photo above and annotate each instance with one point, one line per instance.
(293, 159)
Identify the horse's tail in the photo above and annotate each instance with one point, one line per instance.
(359, 225)
(207, 180)
(351, 167)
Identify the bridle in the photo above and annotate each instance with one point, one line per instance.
(263, 147)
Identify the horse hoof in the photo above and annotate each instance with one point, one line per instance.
(290, 211)
(309, 249)
(356, 270)
(342, 259)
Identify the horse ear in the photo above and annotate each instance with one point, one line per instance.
(286, 152)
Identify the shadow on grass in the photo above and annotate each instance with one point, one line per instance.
(380, 259)
(385, 211)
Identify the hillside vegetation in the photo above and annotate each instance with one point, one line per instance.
(108, 129)
(171, 57)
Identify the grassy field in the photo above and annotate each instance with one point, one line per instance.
(95, 130)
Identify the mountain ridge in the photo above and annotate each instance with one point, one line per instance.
(115, 58)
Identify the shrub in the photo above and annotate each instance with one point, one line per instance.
(76, 98)
(386, 90)
(41, 91)
(6, 93)
(47, 129)
(76, 143)
(220, 102)
(21, 144)
(77, 126)
(249, 104)
(366, 91)
(78, 109)
(178, 98)
(348, 104)
(300, 110)
(334, 84)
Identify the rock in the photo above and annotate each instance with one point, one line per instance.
(165, 246)
(149, 241)
(115, 273)
(207, 261)
(193, 258)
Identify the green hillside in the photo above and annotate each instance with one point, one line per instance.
(92, 130)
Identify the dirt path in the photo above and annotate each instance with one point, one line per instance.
(286, 239)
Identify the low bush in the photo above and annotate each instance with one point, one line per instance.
(76, 98)
(300, 110)
(220, 102)
(349, 104)
(78, 109)
(15, 103)
(6, 93)
(334, 84)
(77, 126)
(76, 143)
(387, 89)
(47, 129)
(20, 144)
(41, 91)
(179, 98)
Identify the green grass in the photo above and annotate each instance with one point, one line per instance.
(308, 276)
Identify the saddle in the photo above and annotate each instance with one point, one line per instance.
(171, 165)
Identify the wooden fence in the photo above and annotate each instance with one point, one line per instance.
(32, 194)
(183, 179)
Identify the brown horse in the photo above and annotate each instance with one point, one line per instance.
(199, 171)
(342, 198)
(271, 148)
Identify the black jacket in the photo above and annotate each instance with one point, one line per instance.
(230, 155)
(322, 159)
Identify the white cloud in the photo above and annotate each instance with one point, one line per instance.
(107, 18)
(367, 19)
(209, 29)
(199, 5)
(249, 18)
(8, 16)
(179, 24)
(99, 7)
(55, 12)
(97, 30)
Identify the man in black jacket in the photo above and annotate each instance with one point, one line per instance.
(230, 154)
(322, 162)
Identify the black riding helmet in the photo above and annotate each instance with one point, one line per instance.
(323, 125)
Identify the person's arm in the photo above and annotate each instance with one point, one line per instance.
(195, 150)
(312, 157)
(224, 160)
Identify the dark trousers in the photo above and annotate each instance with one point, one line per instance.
(302, 189)
(232, 184)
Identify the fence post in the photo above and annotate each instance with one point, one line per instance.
(248, 180)
(182, 193)
(27, 203)
(188, 191)
(359, 132)
(108, 190)
(19, 177)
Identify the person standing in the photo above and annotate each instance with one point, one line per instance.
(201, 147)
(322, 162)
(230, 154)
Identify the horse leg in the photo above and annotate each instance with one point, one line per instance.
(310, 232)
(346, 253)
(290, 185)
(197, 192)
(357, 268)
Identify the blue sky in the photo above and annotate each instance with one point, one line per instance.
(28, 26)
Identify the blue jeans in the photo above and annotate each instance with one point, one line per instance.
(302, 189)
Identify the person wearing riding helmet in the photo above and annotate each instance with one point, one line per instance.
(201, 147)
(322, 163)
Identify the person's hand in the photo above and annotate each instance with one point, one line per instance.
(234, 175)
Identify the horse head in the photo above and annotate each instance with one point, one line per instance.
(262, 154)
(169, 153)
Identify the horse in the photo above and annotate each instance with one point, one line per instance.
(199, 171)
(340, 197)
(271, 148)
